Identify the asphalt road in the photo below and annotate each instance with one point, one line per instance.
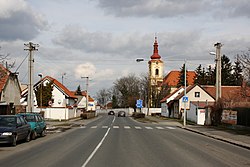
(120, 141)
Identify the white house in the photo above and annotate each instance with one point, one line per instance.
(165, 111)
(62, 105)
(195, 94)
(82, 101)
(10, 92)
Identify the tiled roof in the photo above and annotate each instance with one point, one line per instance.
(228, 92)
(172, 78)
(84, 94)
(4, 75)
(61, 86)
(171, 94)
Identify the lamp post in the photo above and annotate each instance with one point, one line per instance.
(218, 70)
(149, 86)
(41, 91)
(87, 96)
(185, 93)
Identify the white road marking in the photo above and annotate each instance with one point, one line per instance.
(83, 127)
(138, 127)
(158, 127)
(95, 150)
(113, 120)
(169, 127)
(105, 127)
(126, 127)
(147, 127)
(93, 127)
(116, 127)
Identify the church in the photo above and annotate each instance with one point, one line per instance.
(157, 78)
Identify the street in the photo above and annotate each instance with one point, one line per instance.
(120, 141)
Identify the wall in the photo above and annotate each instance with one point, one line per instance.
(128, 111)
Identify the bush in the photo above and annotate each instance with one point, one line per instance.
(216, 113)
(138, 115)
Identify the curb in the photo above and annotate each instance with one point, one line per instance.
(237, 143)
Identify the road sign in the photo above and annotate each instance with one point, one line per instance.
(184, 99)
(139, 103)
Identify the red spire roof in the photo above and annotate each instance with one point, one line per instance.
(155, 54)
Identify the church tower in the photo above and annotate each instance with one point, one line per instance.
(155, 66)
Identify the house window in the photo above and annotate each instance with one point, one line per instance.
(157, 72)
(197, 94)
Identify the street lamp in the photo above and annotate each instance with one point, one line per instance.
(87, 96)
(218, 69)
(41, 91)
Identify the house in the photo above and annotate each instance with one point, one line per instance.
(10, 92)
(165, 110)
(81, 101)
(196, 95)
(62, 105)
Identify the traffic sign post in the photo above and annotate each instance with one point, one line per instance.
(139, 103)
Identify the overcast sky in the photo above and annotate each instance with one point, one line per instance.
(102, 38)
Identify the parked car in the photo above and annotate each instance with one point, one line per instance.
(14, 128)
(111, 113)
(121, 114)
(37, 123)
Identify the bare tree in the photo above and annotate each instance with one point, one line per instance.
(103, 96)
(244, 59)
(4, 60)
(127, 89)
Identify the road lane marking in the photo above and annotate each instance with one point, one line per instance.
(113, 120)
(147, 127)
(83, 127)
(138, 127)
(169, 127)
(93, 127)
(95, 150)
(158, 127)
(104, 127)
(126, 127)
(116, 127)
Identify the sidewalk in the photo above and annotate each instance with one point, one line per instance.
(236, 135)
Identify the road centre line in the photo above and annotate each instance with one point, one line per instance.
(126, 127)
(95, 150)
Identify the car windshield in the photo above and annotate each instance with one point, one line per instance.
(7, 121)
(30, 118)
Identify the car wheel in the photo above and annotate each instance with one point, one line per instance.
(43, 133)
(33, 135)
(14, 140)
(27, 139)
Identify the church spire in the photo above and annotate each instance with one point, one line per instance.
(155, 53)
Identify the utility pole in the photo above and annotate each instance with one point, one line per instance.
(30, 100)
(218, 71)
(87, 96)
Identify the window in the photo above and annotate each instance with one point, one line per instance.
(197, 94)
(157, 72)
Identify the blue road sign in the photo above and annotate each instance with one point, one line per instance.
(139, 103)
(184, 99)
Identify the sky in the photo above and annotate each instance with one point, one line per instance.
(101, 39)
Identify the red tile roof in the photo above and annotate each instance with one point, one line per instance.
(60, 86)
(229, 93)
(4, 75)
(84, 94)
(172, 78)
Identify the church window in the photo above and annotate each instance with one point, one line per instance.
(157, 72)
